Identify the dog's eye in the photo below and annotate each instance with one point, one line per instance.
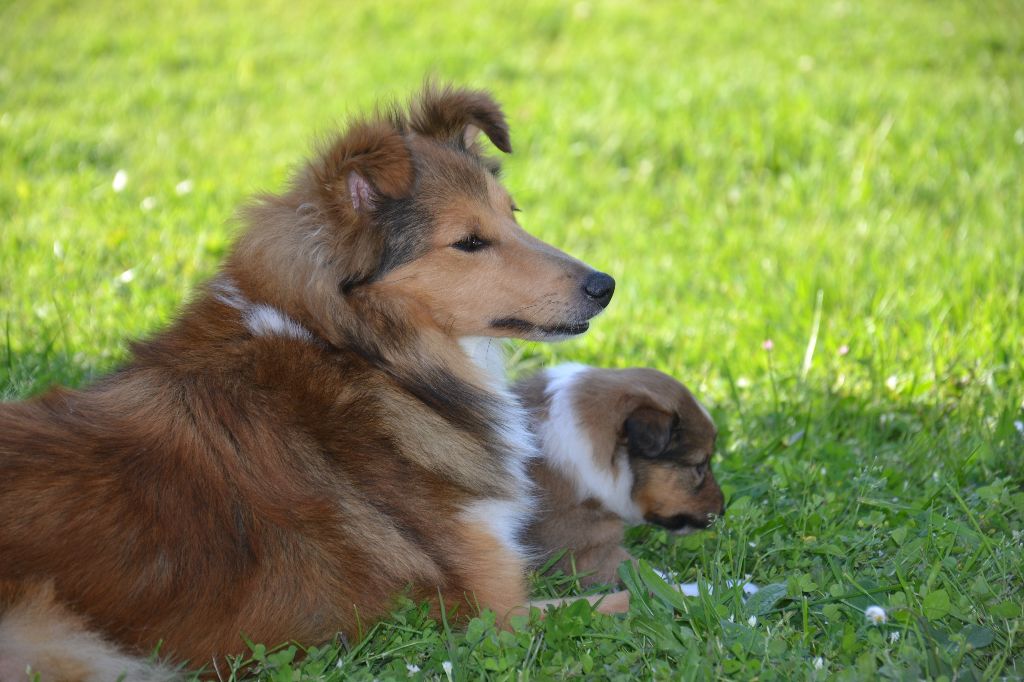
(470, 244)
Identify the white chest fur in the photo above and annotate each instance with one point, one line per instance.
(506, 516)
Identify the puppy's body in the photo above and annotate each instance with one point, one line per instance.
(317, 432)
(617, 447)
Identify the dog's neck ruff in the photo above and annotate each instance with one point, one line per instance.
(259, 318)
(569, 450)
(505, 517)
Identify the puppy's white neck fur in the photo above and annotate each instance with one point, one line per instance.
(569, 449)
(259, 318)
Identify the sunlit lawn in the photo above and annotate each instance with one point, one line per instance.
(814, 214)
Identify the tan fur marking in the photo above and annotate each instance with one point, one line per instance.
(495, 578)
(516, 275)
(659, 492)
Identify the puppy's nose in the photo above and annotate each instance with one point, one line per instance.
(599, 287)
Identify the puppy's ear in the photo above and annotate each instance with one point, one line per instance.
(458, 115)
(648, 431)
(369, 161)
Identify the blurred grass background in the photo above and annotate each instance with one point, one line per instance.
(844, 179)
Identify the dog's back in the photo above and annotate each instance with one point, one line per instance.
(241, 495)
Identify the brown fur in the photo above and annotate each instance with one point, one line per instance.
(638, 419)
(246, 477)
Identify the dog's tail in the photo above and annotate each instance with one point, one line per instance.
(42, 640)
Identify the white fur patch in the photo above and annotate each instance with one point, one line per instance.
(260, 318)
(506, 517)
(225, 291)
(265, 320)
(569, 449)
(488, 354)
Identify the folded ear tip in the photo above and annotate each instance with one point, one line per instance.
(446, 111)
(503, 142)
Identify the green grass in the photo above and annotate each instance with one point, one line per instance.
(844, 178)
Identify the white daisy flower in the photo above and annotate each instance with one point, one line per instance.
(876, 615)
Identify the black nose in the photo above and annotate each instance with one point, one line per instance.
(599, 287)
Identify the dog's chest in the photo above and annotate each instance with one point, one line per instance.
(505, 515)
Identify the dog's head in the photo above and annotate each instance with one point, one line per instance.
(637, 441)
(404, 205)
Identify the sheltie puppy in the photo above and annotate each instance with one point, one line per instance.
(618, 447)
(325, 427)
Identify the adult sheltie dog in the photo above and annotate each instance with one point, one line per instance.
(324, 427)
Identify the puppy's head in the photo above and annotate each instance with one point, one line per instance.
(637, 441)
(404, 205)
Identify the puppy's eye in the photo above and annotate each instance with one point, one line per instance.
(471, 243)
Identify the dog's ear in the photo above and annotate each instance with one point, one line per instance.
(648, 431)
(371, 160)
(458, 115)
